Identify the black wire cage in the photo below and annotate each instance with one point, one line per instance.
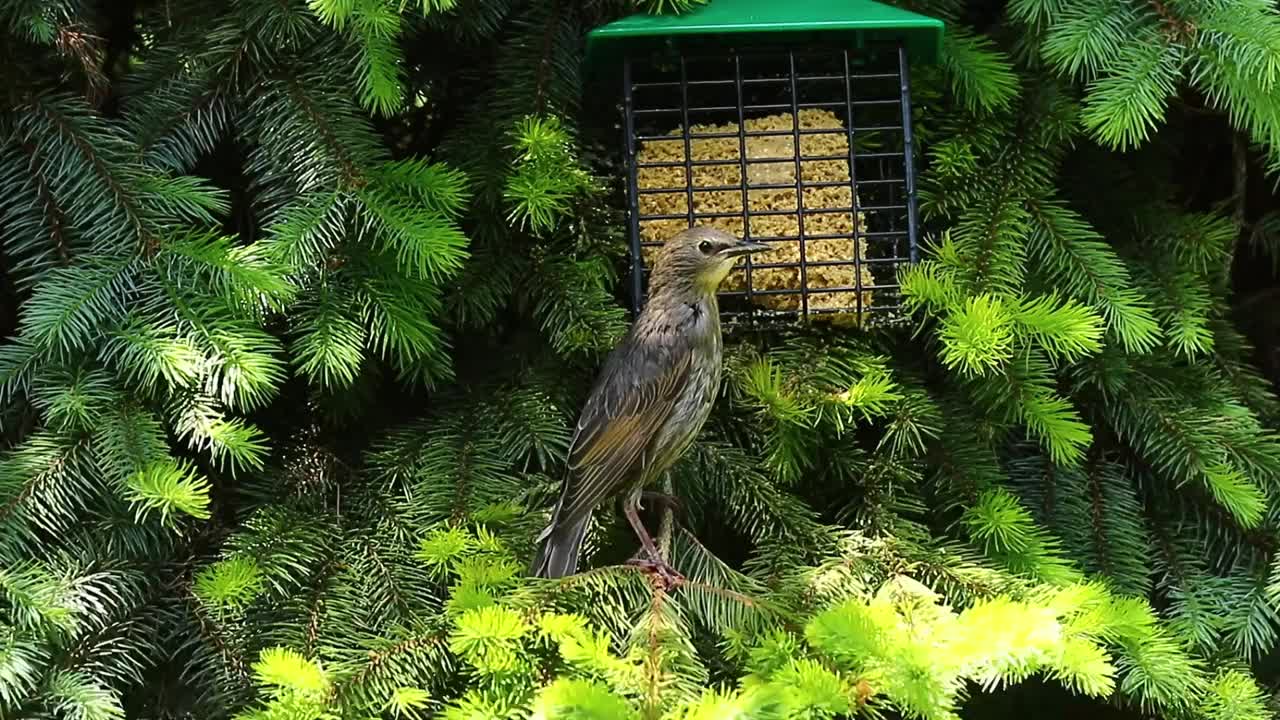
(802, 142)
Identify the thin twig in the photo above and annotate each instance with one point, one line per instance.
(666, 524)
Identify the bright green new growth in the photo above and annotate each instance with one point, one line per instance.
(893, 648)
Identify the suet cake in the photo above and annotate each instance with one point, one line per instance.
(834, 191)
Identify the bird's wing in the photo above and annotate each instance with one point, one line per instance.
(635, 398)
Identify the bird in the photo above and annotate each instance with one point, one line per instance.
(649, 400)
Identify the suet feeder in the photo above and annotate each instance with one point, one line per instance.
(787, 122)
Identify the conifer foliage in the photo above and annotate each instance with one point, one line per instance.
(300, 298)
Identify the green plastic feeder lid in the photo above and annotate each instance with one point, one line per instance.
(861, 23)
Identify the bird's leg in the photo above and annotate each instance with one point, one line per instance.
(630, 509)
(655, 562)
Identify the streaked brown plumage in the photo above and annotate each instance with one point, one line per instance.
(651, 398)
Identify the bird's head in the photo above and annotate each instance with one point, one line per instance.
(700, 258)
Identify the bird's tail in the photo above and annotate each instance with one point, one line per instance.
(558, 555)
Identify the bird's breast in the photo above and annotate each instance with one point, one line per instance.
(702, 336)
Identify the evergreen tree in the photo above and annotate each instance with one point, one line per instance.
(301, 299)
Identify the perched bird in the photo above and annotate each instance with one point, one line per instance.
(651, 398)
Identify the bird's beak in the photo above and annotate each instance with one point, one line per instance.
(745, 247)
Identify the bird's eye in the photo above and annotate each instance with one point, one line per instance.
(705, 247)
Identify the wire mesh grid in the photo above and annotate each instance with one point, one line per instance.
(809, 151)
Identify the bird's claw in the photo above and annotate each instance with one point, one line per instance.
(668, 576)
(671, 501)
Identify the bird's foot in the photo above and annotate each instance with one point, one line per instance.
(666, 575)
(650, 559)
(671, 501)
